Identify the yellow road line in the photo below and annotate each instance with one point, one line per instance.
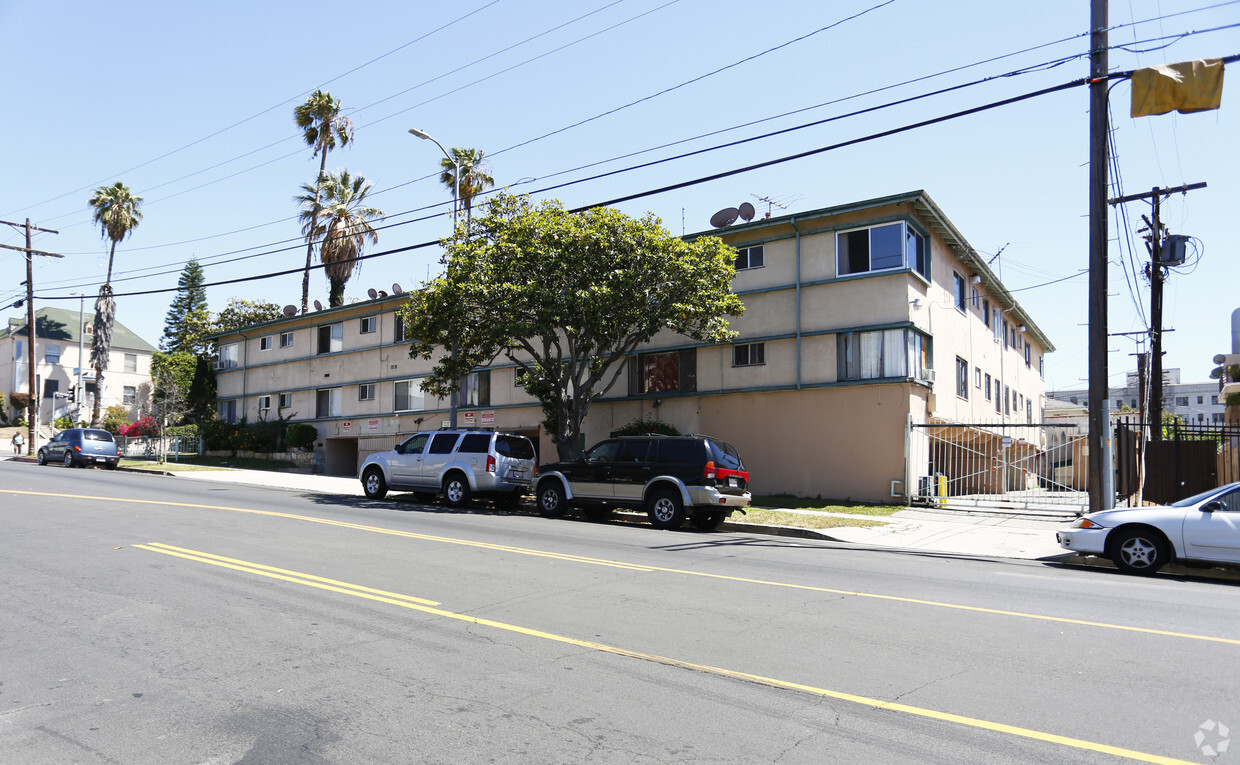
(416, 604)
(648, 569)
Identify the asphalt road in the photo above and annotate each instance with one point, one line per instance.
(154, 619)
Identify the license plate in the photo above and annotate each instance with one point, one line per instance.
(101, 459)
(734, 482)
(517, 473)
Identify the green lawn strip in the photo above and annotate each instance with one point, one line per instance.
(765, 517)
(779, 501)
(171, 467)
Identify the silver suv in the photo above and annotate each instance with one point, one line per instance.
(460, 464)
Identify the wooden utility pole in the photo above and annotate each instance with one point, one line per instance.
(1101, 495)
(35, 397)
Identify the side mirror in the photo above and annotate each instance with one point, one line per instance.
(400, 449)
(1213, 506)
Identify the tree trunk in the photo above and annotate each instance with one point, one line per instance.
(305, 278)
(94, 414)
(335, 297)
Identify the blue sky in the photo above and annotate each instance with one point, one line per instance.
(190, 105)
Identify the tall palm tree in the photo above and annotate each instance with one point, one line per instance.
(334, 209)
(323, 127)
(474, 178)
(117, 212)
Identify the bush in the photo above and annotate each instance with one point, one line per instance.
(300, 435)
(63, 423)
(182, 431)
(19, 401)
(115, 417)
(641, 427)
(145, 426)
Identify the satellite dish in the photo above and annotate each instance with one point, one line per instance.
(318, 306)
(372, 293)
(397, 289)
(382, 294)
(290, 310)
(725, 217)
(746, 210)
(1219, 358)
(1217, 373)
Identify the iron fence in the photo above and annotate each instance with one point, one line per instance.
(156, 448)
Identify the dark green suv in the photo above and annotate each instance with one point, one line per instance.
(671, 477)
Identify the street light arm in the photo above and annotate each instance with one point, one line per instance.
(456, 175)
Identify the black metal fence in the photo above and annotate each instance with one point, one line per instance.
(1186, 460)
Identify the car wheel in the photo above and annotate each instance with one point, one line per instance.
(456, 491)
(551, 500)
(42, 457)
(596, 514)
(708, 521)
(69, 459)
(666, 510)
(374, 484)
(424, 497)
(1139, 551)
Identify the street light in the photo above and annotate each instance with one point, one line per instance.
(456, 200)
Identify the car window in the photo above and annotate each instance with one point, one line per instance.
(635, 450)
(475, 443)
(725, 455)
(681, 451)
(604, 452)
(415, 444)
(1197, 498)
(442, 443)
(514, 447)
(96, 435)
(1231, 500)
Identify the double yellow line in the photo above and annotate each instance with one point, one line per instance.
(429, 607)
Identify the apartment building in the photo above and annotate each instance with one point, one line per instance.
(1194, 403)
(62, 350)
(860, 320)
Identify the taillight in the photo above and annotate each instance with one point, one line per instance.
(709, 470)
(77, 448)
(490, 463)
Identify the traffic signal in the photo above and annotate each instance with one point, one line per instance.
(72, 395)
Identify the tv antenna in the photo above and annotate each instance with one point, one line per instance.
(769, 203)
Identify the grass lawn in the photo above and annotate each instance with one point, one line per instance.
(824, 505)
(208, 463)
(766, 517)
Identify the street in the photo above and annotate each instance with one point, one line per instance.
(155, 619)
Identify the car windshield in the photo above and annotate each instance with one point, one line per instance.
(725, 455)
(515, 447)
(1203, 496)
(96, 435)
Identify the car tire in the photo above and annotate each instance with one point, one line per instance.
(69, 460)
(374, 484)
(552, 503)
(42, 457)
(666, 510)
(456, 493)
(596, 514)
(425, 497)
(1139, 551)
(710, 521)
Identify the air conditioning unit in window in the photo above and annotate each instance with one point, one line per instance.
(927, 376)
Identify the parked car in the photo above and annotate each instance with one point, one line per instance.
(1204, 528)
(79, 447)
(460, 464)
(671, 477)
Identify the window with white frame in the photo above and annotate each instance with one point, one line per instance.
(1028, 356)
(327, 402)
(264, 403)
(749, 354)
(228, 357)
(131, 362)
(995, 323)
(977, 299)
(1007, 400)
(398, 327)
(882, 248)
(977, 377)
(962, 378)
(750, 257)
(476, 389)
(226, 410)
(366, 392)
(331, 338)
(51, 354)
(958, 291)
(987, 387)
(882, 353)
(986, 311)
(286, 400)
(130, 395)
(369, 324)
(409, 396)
(286, 339)
(266, 343)
(1029, 410)
(998, 399)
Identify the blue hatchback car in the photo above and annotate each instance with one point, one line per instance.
(79, 447)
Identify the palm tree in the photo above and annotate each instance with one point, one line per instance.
(117, 212)
(333, 209)
(474, 178)
(322, 128)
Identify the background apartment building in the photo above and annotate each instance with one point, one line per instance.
(1194, 403)
(860, 319)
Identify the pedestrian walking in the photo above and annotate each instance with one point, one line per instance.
(18, 442)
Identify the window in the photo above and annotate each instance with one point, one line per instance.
(987, 387)
(1201, 399)
(227, 358)
(1214, 400)
(398, 326)
(51, 354)
(749, 257)
(1029, 411)
(1200, 417)
(1007, 400)
(266, 343)
(958, 281)
(130, 395)
(131, 362)
(409, 396)
(226, 410)
(1119, 402)
(986, 311)
(1134, 403)
(977, 377)
(962, 378)
(748, 354)
(1181, 400)
(331, 338)
(1007, 335)
(89, 328)
(264, 403)
(882, 353)
(476, 389)
(995, 324)
(327, 402)
(977, 297)
(286, 400)
(1020, 402)
(1041, 366)
(1028, 356)
(881, 248)
(663, 372)
(286, 339)
(1216, 417)
(369, 324)
(518, 377)
(442, 443)
(50, 388)
(366, 392)
(475, 443)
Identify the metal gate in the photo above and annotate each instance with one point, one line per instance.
(1034, 468)
(1186, 460)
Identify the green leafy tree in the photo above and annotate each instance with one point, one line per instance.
(323, 127)
(117, 212)
(245, 313)
(188, 318)
(176, 377)
(334, 209)
(567, 298)
(474, 178)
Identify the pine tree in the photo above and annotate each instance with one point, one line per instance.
(188, 318)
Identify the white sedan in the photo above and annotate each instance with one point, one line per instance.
(1141, 540)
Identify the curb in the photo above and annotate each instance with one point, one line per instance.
(1205, 571)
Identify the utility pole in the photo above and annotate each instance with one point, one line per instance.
(1157, 277)
(1101, 492)
(33, 423)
